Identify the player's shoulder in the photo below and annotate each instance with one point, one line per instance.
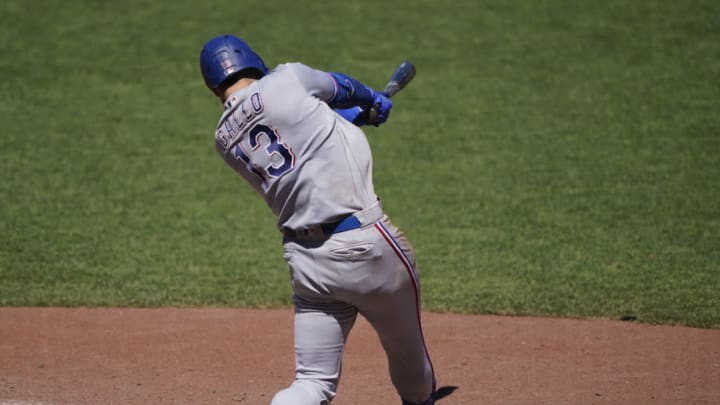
(292, 68)
(287, 76)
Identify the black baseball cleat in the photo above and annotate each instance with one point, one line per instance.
(442, 392)
(439, 393)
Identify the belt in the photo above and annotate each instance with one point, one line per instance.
(349, 223)
(323, 231)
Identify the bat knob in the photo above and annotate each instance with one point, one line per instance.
(372, 115)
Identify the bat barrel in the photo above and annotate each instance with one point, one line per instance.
(399, 79)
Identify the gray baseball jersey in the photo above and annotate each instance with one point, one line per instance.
(266, 146)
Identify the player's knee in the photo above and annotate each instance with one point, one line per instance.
(414, 387)
(283, 397)
(295, 395)
(323, 390)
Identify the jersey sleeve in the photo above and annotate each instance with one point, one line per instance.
(318, 83)
(338, 90)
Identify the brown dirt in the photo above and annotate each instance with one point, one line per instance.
(236, 356)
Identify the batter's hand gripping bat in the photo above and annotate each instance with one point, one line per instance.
(399, 79)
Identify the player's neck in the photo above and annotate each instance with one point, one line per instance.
(240, 84)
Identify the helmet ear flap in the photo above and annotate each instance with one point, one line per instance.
(224, 56)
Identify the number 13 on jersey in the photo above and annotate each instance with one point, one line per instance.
(264, 153)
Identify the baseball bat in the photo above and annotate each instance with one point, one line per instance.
(398, 80)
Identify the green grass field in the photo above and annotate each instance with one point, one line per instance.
(551, 158)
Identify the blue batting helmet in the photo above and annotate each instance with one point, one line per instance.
(225, 55)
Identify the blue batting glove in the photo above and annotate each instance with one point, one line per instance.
(382, 106)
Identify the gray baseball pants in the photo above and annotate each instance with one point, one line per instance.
(371, 271)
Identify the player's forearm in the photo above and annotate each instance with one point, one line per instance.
(350, 92)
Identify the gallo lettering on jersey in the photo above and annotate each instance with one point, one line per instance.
(237, 118)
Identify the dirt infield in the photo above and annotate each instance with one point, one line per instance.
(236, 356)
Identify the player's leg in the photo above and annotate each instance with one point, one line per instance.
(320, 336)
(322, 325)
(395, 314)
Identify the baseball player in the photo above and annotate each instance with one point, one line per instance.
(293, 134)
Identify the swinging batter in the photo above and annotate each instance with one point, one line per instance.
(292, 133)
